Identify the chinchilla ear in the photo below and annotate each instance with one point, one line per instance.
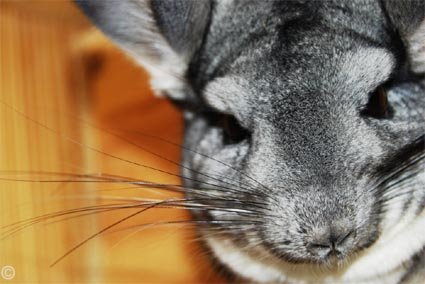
(161, 35)
(408, 17)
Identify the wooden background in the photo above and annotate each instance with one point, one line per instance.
(59, 80)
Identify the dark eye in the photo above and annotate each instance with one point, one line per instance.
(233, 131)
(377, 106)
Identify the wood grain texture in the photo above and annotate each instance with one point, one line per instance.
(58, 79)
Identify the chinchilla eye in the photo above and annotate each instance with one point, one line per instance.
(377, 106)
(233, 131)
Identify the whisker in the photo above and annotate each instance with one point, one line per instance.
(105, 153)
(99, 233)
(389, 190)
(395, 172)
(229, 224)
(152, 205)
(198, 153)
(132, 203)
(141, 184)
(165, 141)
(220, 178)
(35, 220)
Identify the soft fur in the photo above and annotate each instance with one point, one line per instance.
(284, 151)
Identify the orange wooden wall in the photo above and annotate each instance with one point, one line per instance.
(58, 79)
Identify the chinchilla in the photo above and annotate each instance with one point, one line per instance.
(304, 129)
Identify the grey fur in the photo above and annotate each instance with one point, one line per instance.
(296, 75)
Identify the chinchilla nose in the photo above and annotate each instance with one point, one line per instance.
(328, 241)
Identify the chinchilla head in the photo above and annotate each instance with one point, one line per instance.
(304, 119)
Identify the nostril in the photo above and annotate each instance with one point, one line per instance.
(344, 238)
(330, 242)
(320, 249)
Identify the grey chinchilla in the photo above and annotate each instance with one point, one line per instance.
(305, 122)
